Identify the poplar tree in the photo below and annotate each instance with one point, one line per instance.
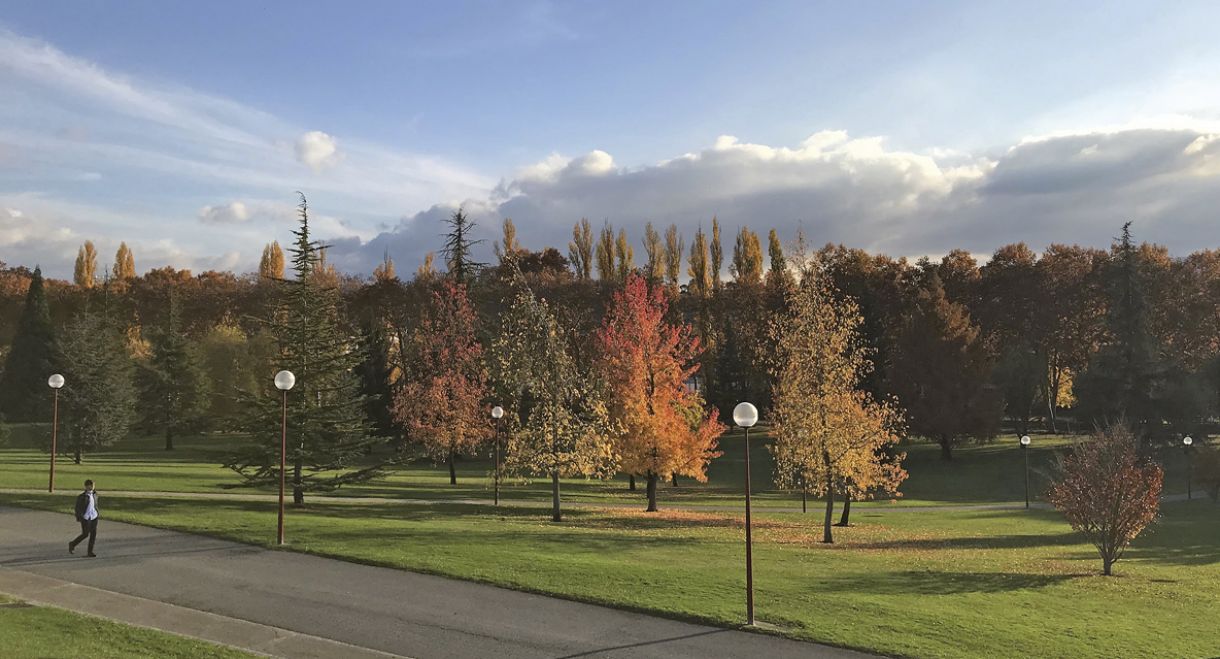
(700, 279)
(507, 247)
(674, 248)
(654, 269)
(779, 276)
(605, 254)
(747, 258)
(271, 265)
(329, 434)
(717, 254)
(624, 257)
(32, 358)
(85, 272)
(580, 250)
(124, 263)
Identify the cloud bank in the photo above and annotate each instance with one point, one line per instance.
(1072, 188)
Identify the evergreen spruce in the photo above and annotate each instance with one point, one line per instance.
(97, 407)
(31, 360)
(458, 245)
(174, 390)
(328, 433)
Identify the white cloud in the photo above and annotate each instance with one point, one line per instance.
(234, 212)
(317, 150)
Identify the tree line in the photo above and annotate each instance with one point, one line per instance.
(606, 364)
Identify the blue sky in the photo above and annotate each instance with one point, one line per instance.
(185, 128)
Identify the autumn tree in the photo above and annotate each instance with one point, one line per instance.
(779, 276)
(673, 258)
(556, 416)
(746, 267)
(942, 372)
(605, 254)
(624, 257)
(654, 250)
(331, 437)
(124, 263)
(427, 269)
(580, 250)
(271, 264)
(716, 251)
(173, 385)
(1107, 491)
(700, 277)
(508, 246)
(384, 272)
(440, 404)
(85, 273)
(830, 436)
(32, 358)
(646, 363)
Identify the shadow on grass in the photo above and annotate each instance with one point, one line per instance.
(914, 582)
(980, 542)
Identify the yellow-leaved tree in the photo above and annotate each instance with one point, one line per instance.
(830, 436)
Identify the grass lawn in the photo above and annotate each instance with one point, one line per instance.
(988, 473)
(33, 631)
(946, 583)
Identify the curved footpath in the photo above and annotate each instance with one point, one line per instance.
(295, 605)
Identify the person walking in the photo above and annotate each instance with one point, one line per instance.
(86, 514)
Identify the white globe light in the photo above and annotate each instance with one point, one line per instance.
(745, 415)
(285, 380)
(1025, 440)
(497, 412)
(1188, 440)
(55, 381)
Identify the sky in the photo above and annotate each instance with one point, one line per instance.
(910, 128)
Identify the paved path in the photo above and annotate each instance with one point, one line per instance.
(293, 604)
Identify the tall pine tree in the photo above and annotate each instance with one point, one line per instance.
(174, 388)
(98, 403)
(328, 435)
(31, 360)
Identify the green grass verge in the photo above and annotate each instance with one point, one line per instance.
(989, 473)
(942, 583)
(37, 632)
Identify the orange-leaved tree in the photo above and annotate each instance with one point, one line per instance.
(440, 405)
(1107, 491)
(647, 363)
(830, 435)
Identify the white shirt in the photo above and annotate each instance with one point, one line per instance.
(91, 510)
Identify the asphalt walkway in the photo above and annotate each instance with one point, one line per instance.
(295, 605)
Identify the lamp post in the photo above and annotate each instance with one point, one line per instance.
(497, 413)
(284, 380)
(56, 382)
(1186, 442)
(1025, 440)
(745, 416)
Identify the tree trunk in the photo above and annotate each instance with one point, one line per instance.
(675, 479)
(1106, 565)
(652, 492)
(76, 456)
(804, 499)
(843, 519)
(298, 492)
(827, 535)
(452, 473)
(556, 513)
(169, 439)
(946, 449)
(631, 482)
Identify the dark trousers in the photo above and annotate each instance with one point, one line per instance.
(88, 529)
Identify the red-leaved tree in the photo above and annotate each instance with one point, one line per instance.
(440, 405)
(1107, 491)
(647, 363)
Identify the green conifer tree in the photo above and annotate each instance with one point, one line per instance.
(328, 434)
(31, 359)
(174, 388)
(97, 407)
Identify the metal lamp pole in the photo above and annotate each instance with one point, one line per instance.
(1025, 449)
(55, 382)
(1186, 442)
(745, 415)
(284, 380)
(497, 413)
